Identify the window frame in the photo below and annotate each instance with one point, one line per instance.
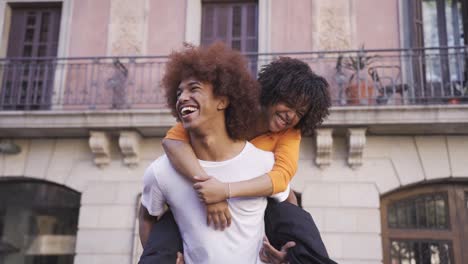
(451, 234)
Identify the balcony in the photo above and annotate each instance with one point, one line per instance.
(419, 89)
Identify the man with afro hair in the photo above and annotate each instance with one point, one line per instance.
(212, 94)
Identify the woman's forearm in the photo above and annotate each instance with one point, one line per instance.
(259, 186)
(183, 158)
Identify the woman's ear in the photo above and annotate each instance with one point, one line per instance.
(223, 103)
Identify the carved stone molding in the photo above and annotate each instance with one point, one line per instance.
(356, 144)
(99, 142)
(324, 143)
(129, 143)
(128, 27)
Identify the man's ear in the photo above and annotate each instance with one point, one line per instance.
(223, 103)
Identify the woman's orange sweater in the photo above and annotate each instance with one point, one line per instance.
(285, 146)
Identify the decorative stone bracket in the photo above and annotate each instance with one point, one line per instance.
(99, 142)
(129, 143)
(356, 144)
(324, 143)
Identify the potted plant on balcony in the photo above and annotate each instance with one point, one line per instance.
(360, 89)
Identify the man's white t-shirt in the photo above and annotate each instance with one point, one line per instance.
(239, 243)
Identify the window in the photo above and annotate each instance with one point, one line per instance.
(233, 22)
(28, 77)
(38, 222)
(428, 211)
(438, 72)
(425, 225)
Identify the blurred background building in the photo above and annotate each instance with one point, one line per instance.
(82, 115)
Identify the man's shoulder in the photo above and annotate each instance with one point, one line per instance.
(161, 164)
(259, 156)
(252, 150)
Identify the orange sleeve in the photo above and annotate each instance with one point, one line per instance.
(286, 160)
(177, 132)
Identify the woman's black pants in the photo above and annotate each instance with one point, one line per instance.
(283, 222)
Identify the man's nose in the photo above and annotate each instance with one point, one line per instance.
(183, 96)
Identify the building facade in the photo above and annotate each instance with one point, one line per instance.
(82, 115)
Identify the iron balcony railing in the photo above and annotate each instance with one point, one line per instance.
(356, 77)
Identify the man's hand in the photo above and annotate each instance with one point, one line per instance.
(219, 215)
(211, 190)
(269, 254)
(180, 258)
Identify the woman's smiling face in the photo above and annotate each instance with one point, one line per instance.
(281, 116)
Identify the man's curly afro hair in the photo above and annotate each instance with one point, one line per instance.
(291, 81)
(227, 71)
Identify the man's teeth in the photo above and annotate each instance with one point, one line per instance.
(187, 110)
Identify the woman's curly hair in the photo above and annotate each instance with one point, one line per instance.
(291, 81)
(227, 71)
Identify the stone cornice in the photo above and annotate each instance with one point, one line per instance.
(432, 119)
(414, 114)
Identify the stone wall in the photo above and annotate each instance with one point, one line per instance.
(343, 201)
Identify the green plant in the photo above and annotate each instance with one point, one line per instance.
(360, 91)
(355, 63)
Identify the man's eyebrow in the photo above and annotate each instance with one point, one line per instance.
(189, 84)
(194, 82)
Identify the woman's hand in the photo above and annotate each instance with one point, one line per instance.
(210, 190)
(219, 215)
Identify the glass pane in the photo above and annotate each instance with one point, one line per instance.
(31, 20)
(236, 21)
(252, 21)
(236, 44)
(466, 199)
(401, 215)
(395, 249)
(440, 213)
(421, 213)
(411, 211)
(208, 21)
(453, 12)
(45, 27)
(27, 51)
(29, 35)
(453, 16)
(392, 219)
(420, 252)
(431, 32)
(430, 209)
(445, 252)
(434, 251)
(2, 222)
(42, 51)
(221, 20)
(404, 253)
(252, 45)
(431, 39)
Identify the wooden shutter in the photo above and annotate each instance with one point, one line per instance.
(34, 33)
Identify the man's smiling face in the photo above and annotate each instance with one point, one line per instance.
(197, 105)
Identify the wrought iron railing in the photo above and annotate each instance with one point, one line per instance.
(356, 77)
